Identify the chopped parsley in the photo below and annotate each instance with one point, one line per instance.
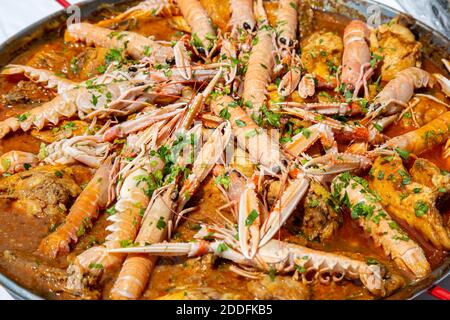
(224, 114)
(402, 153)
(420, 208)
(223, 180)
(23, 117)
(251, 218)
(240, 123)
(161, 224)
(222, 247)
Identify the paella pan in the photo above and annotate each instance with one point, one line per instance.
(224, 150)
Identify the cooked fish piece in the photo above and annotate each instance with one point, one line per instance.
(409, 200)
(322, 54)
(279, 288)
(199, 294)
(26, 92)
(66, 130)
(320, 221)
(398, 47)
(427, 173)
(425, 111)
(44, 191)
(90, 62)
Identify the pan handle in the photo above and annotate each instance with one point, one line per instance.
(64, 3)
(439, 293)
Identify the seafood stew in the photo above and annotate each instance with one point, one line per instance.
(198, 149)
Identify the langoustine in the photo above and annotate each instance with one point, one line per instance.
(81, 101)
(242, 16)
(165, 210)
(203, 33)
(260, 67)
(356, 68)
(370, 215)
(425, 138)
(101, 99)
(132, 199)
(280, 257)
(287, 22)
(133, 44)
(396, 94)
(94, 198)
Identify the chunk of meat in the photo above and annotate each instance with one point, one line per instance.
(398, 47)
(45, 191)
(322, 55)
(409, 200)
(320, 221)
(278, 288)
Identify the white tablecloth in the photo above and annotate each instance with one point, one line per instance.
(16, 15)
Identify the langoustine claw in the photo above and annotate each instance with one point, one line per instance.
(307, 86)
(443, 82)
(144, 8)
(182, 60)
(291, 80)
(261, 147)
